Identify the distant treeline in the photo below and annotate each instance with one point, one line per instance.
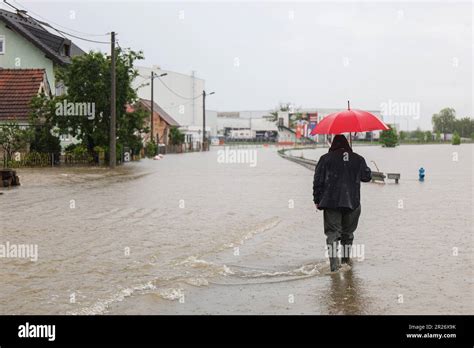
(445, 122)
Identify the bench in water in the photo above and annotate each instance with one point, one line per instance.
(394, 176)
(378, 176)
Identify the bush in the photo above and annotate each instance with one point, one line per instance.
(428, 136)
(402, 135)
(98, 149)
(456, 139)
(79, 151)
(419, 135)
(70, 148)
(176, 136)
(388, 138)
(151, 149)
(43, 141)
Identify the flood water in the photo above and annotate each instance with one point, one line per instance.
(192, 234)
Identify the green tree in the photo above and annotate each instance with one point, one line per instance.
(402, 135)
(274, 116)
(13, 138)
(285, 106)
(438, 136)
(389, 138)
(176, 136)
(419, 135)
(44, 137)
(444, 121)
(428, 136)
(456, 139)
(464, 126)
(281, 107)
(87, 79)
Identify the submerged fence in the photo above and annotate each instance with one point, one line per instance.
(31, 159)
(181, 148)
(40, 159)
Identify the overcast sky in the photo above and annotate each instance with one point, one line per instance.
(313, 54)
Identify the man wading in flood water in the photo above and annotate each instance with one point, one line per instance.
(336, 190)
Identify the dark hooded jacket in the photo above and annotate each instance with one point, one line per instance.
(338, 175)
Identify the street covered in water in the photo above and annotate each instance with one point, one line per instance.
(199, 233)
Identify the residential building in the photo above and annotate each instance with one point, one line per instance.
(180, 95)
(26, 44)
(162, 122)
(17, 89)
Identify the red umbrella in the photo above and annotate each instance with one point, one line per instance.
(349, 121)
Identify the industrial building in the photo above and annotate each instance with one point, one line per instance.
(180, 96)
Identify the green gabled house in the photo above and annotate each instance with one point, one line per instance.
(25, 43)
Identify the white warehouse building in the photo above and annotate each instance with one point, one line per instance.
(180, 95)
(235, 126)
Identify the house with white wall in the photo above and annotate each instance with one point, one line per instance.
(26, 44)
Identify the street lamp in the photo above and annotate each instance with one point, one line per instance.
(152, 102)
(204, 118)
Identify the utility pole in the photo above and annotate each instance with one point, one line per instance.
(204, 94)
(112, 140)
(203, 121)
(152, 106)
(193, 93)
(152, 136)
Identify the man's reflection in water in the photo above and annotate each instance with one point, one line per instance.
(345, 294)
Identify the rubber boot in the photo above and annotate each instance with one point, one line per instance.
(334, 264)
(345, 254)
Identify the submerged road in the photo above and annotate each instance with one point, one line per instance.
(201, 233)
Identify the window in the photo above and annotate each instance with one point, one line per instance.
(60, 89)
(67, 50)
(65, 137)
(2, 44)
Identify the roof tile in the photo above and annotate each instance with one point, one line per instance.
(17, 88)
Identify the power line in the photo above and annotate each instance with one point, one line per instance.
(50, 26)
(173, 106)
(179, 95)
(140, 83)
(77, 37)
(171, 90)
(59, 25)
